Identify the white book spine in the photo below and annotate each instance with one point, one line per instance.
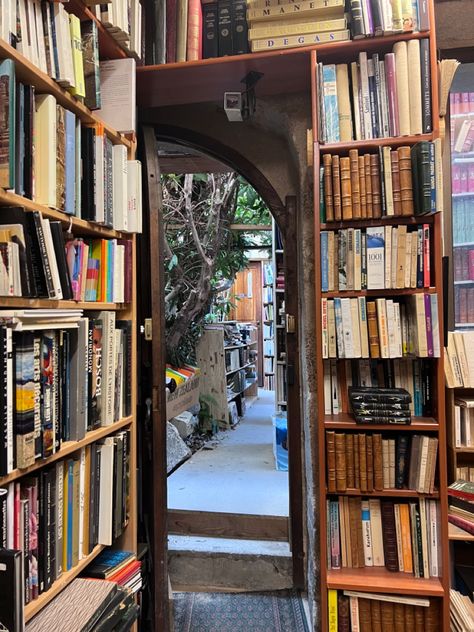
(420, 482)
(367, 534)
(82, 508)
(376, 531)
(327, 388)
(106, 492)
(388, 257)
(347, 328)
(119, 179)
(392, 343)
(435, 326)
(384, 100)
(356, 343)
(375, 258)
(364, 89)
(408, 247)
(457, 426)
(424, 538)
(357, 260)
(334, 388)
(324, 328)
(355, 99)
(364, 333)
(434, 538)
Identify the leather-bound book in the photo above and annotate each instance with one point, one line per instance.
(419, 619)
(397, 200)
(356, 462)
(362, 192)
(368, 186)
(328, 197)
(378, 464)
(376, 188)
(341, 478)
(399, 617)
(346, 188)
(363, 463)
(355, 517)
(336, 187)
(401, 461)
(355, 183)
(343, 614)
(331, 460)
(365, 619)
(370, 463)
(350, 461)
(376, 615)
(373, 329)
(432, 617)
(406, 181)
(388, 619)
(389, 536)
(409, 617)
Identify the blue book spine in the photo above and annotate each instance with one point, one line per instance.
(324, 262)
(335, 536)
(432, 177)
(52, 24)
(330, 103)
(70, 477)
(417, 391)
(70, 167)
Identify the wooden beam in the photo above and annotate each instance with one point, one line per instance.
(228, 525)
(250, 228)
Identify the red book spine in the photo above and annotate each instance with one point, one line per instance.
(426, 256)
(471, 102)
(456, 178)
(171, 29)
(457, 103)
(464, 254)
(463, 305)
(469, 138)
(194, 46)
(463, 183)
(470, 178)
(461, 523)
(471, 265)
(470, 305)
(392, 93)
(464, 102)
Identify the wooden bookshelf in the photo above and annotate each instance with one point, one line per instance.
(378, 579)
(29, 74)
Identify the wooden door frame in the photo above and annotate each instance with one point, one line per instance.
(286, 217)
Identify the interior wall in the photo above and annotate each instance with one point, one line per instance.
(274, 141)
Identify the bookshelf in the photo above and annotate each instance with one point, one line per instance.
(280, 321)
(269, 319)
(378, 579)
(29, 74)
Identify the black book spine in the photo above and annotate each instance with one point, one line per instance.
(3, 404)
(357, 21)
(209, 31)
(389, 535)
(401, 461)
(426, 86)
(28, 133)
(11, 595)
(48, 557)
(52, 523)
(42, 531)
(65, 386)
(34, 257)
(20, 139)
(25, 536)
(44, 254)
(88, 175)
(3, 517)
(126, 326)
(240, 42)
(56, 392)
(60, 252)
(125, 457)
(225, 27)
(377, 19)
(427, 403)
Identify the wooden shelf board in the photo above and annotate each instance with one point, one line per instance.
(381, 221)
(240, 368)
(345, 421)
(78, 226)
(206, 80)
(249, 384)
(29, 73)
(386, 292)
(390, 493)
(464, 450)
(374, 143)
(380, 580)
(456, 533)
(67, 447)
(45, 303)
(66, 578)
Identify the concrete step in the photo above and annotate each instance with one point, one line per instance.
(219, 564)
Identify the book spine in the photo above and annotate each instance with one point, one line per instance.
(425, 85)
(194, 31)
(210, 31)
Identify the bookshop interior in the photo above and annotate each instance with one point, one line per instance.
(237, 316)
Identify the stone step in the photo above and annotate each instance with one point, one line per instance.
(219, 564)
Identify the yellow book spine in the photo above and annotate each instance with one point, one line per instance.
(296, 28)
(332, 610)
(316, 8)
(79, 90)
(292, 41)
(328, 5)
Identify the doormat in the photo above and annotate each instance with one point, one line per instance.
(279, 611)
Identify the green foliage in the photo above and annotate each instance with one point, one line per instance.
(251, 209)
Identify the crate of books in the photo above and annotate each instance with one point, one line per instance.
(182, 389)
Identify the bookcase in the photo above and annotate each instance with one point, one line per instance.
(340, 420)
(269, 322)
(121, 424)
(280, 320)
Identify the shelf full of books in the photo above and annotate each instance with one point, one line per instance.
(70, 202)
(382, 437)
(268, 319)
(279, 359)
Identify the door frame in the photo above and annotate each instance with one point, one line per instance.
(285, 215)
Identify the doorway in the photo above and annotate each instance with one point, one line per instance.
(203, 523)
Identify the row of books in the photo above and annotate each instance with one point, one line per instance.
(462, 136)
(403, 537)
(461, 610)
(282, 383)
(45, 518)
(267, 274)
(121, 567)
(385, 17)
(463, 263)
(123, 20)
(463, 422)
(400, 182)
(267, 331)
(382, 328)
(462, 178)
(415, 376)
(267, 295)
(464, 305)
(461, 505)
(268, 311)
(461, 102)
(268, 365)
(40, 260)
(375, 258)
(269, 348)
(372, 612)
(458, 360)
(387, 97)
(463, 230)
(62, 376)
(368, 462)
(465, 473)
(269, 382)
(51, 158)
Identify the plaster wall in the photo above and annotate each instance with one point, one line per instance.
(274, 140)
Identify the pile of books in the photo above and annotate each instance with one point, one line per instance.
(401, 182)
(461, 611)
(461, 505)
(389, 96)
(385, 17)
(123, 20)
(416, 376)
(375, 258)
(383, 328)
(459, 360)
(352, 610)
(275, 25)
(402, 537)
(380, 405)
(368, 462)
(121, 567)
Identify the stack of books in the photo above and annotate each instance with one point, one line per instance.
(461, 611)
(461, 505)
(375, 258)
(352, 610)
(121, 567)
(275, 25)
(402, 537)
(123, 20)
(458, 359)
(389, 96)
(393, 183)
(380, 405)
(386, 17)
(368, 462)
